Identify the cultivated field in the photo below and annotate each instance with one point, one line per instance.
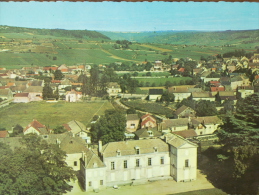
(27, 49)
(51, 114)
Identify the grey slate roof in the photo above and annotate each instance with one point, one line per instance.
(128, 147)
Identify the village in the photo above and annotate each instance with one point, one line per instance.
(155, 146)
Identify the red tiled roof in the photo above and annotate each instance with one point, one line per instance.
(181, 70)
(67, 127)
(146, 121)
(52, 68)
(3, 134)
(55, 81)
(21, 95)
(213, 89)
(36, 124)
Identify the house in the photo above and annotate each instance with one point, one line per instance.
(35, 93)
(63, 68)
(170, 125)
(6, 94)
(197, 96)
(113, 89)
(244, 91)
(183, 158)
(147, 121)
(239, 81)
(187, 134)
(184, 112)
(65, 83)
(183, 92)
(73, 96)
(205, 125)
(147, 133)
(225, 95)
(35, 127)
(79, 129)
(73, 145)
(4, 134)
(21, 98)
(132, 122)
(135, 160)
(155, 94)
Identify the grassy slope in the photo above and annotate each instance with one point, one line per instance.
(70, 51)
(51, 114)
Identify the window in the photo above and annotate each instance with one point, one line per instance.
(137, 151)
(137, 162)
(75, 163)
(155, 149)
(162, 160)
(187, 163)
(101, 182)
(149, 162)
(90, 183)
(118, 153)
(125, 164)
(112, 165)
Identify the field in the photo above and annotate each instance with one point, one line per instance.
(51, 114)
(27, 49)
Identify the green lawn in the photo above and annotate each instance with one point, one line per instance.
(51, 114)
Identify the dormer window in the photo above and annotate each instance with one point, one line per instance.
(150, 133)
(137, 150)
(118, 153)
(155, 149)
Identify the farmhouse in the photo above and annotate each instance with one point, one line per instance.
(155, 94)
(35, 127)
(21, 98)
(73, 96)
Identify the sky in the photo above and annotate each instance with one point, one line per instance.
(129, 16)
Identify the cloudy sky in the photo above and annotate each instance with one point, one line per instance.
(127, 16)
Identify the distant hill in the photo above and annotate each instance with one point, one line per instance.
(188, 37)
(80, 34)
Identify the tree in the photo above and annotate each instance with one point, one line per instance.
(94, 79)
(34, 168)
(132, 85)
(167, 97)
(59, 129)
(205, 108)
(17, 130)
(110, 127)
(58, 75)
(241, 128)
(239, 136)
(47, 91)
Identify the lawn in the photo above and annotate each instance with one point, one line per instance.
(51, 114)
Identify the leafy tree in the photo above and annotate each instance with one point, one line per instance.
(59, 129)
(35, 168)
(94, 79)
(131, 111)
(132, 85)
(47, 91)
(58, 75)
(167, 97)
(205, 108)
(168, 84)
(17, 130)
(110, 127)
